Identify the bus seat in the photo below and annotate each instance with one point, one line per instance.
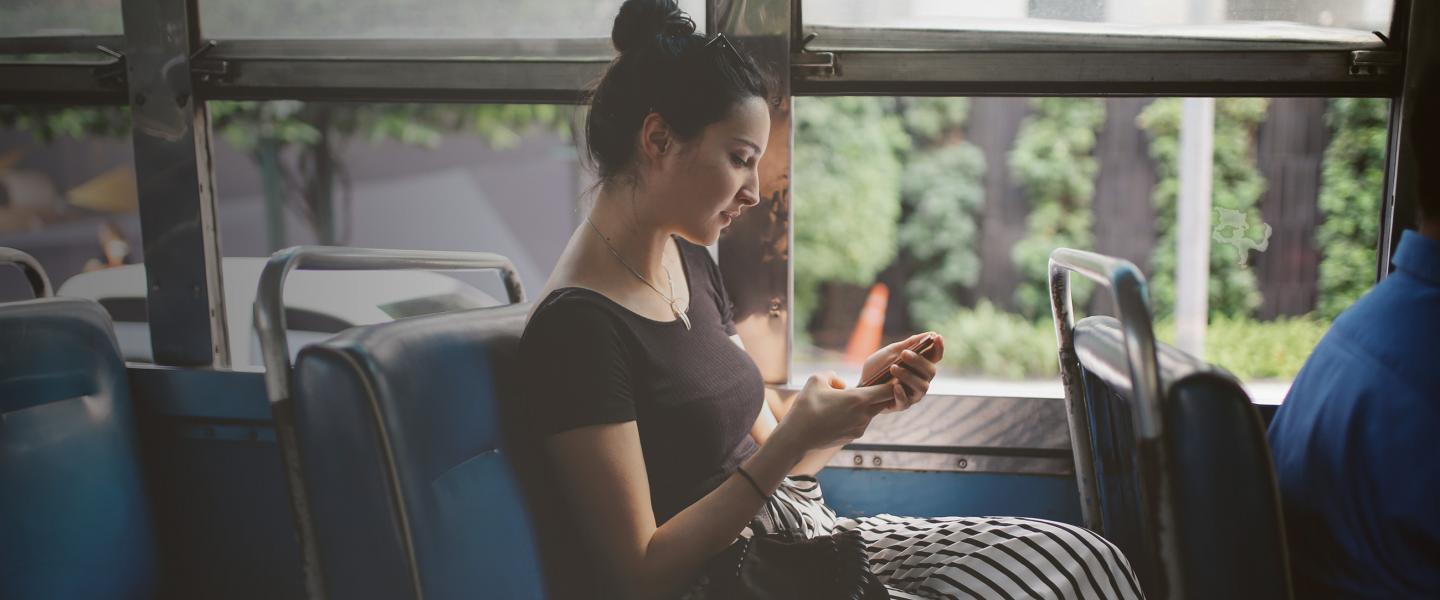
(1225, 499)
(411, 486)
(75, 518)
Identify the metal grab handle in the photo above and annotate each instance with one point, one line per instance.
(275, 352)
(269, 304)
(1132, 306)
(39, 282)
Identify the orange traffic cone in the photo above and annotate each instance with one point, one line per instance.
(865, 339)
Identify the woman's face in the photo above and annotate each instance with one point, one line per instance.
(708, 181)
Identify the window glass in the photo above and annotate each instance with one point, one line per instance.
(59, 17)
(941, 213)
(486, 178)
(1222, 19)
(67, 191)
(470, 19)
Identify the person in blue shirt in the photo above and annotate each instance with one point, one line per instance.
(1357, 441)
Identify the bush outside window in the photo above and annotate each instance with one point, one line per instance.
(981, 190)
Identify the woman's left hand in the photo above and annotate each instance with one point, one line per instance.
(911, 376)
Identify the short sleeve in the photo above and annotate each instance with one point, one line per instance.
(578, 369)
(722, 298)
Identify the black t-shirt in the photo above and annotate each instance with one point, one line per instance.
(693, 394)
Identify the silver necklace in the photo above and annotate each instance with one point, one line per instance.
(671, 299)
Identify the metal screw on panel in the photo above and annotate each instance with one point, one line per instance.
(875, 461)
(962, 463)
(859, 460)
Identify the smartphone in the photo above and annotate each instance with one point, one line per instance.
(922, 346)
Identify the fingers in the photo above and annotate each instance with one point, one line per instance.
(902, 395)
(875, 393)
(835, 381)
(902, 344)
(938, 351)
(917, 364)
(915, 385)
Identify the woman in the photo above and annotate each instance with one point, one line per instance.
(654, 420)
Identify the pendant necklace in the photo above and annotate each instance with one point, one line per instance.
(671, 299)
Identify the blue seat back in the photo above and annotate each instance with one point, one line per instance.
(411, 485)
(1224, 495)
(75, 518)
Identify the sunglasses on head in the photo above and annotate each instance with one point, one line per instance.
(719, 40)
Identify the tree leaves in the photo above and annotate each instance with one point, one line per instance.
(1351, 187)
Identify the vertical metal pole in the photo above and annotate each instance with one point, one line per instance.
(1192, 265)
(1398, 210)
(171, 132)
(755, 251)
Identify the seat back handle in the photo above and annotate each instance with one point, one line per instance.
(1128, 289)
(34, 273)
(275, 352)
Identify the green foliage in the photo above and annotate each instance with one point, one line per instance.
(1252, 349)
(1351, 186)
(846, 194)
(312, 133)
(1237, 187)
(48, 124)
(942, 188)
(291, 123)
(1054, 161)
(990, 342)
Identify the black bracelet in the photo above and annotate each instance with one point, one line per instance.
(763, 495)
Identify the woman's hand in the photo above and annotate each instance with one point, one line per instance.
(825, 414)
(911, 377)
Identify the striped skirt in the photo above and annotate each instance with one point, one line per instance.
(962, 557)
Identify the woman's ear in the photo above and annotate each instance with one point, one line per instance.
(656, 137)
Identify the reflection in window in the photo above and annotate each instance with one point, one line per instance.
(67, 190)
(942, 213)
(1070, 15)
(60, 17)
(468, 19)
(499, 178)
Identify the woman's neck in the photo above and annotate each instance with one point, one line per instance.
(620, 216)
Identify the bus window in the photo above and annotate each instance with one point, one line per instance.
(457, 19)
(1048, 21)
(67, 17)
(941, 212)
(67, 191)
(489, 178)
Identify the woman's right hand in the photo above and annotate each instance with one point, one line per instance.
(825, 414)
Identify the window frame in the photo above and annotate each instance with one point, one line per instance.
(558, 71)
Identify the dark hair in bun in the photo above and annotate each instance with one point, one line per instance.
(663, 67)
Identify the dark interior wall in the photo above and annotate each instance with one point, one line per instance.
(1290, 146)
(1124, 202)
(993, 125)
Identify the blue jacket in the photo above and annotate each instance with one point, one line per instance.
(1357, 443)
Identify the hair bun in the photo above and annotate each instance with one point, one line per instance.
(640, 21)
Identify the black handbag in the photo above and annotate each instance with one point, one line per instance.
(782, 566)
